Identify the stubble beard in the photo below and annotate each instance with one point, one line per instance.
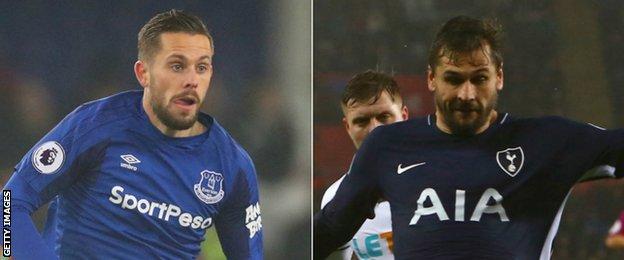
(455, 120)
(163, 111)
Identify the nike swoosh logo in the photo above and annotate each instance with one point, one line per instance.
(402, 170)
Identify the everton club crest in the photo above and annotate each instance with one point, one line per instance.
(210, 187)
(510, 160)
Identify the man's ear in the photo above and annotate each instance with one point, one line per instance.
(430, 76)
(141, 73)
(345, 123)
(405, 113)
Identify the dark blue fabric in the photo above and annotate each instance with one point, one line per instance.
(447, 207)
(27, 242)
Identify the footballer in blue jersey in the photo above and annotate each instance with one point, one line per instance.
(468, 182)
(141, 174)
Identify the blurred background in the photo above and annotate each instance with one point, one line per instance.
(56, 55)
(561, 57)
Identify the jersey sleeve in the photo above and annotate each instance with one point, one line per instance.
(239, 224)
(27, 242)
(54, 162)
(598, 152)
(345, 251)
(354, 201)
(45, 171)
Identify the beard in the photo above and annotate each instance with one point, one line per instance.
(165, 113)
(465, 118)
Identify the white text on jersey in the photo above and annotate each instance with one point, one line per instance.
(460, 201)
(165, 211)
(253, 219)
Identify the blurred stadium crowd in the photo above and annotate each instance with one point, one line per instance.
(55, 56)
(560, 58)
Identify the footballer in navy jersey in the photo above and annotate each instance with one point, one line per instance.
(468, 182)
(141, 174)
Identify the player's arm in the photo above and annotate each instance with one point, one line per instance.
(355, 201)
(47, 169)
(599, 152)
(27, 243)
(610, 158)
(346, 252)
(239, 224)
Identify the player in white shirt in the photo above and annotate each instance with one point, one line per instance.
(370, 99)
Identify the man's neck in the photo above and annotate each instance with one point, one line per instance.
(445, 128)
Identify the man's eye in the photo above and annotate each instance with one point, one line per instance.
(360, 122)
(479, 79)
(384, 118)
(176, 67)
(202, 68)
(454, 80)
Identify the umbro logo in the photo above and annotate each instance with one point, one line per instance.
(129, 160)
(401, 170)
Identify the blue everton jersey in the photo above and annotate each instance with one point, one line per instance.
(495, 195)
(123, 190)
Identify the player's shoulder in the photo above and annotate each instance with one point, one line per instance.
(228, 145)
(411, 124)
(555, 123)
(416, 127)
(331, 191)
(116, 106)
(108, 109)
(534, 120)
(98, 116)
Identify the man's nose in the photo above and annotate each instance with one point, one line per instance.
(192, 79)
(467, 91)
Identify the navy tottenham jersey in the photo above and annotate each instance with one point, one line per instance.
(495, 195)
(123, 190)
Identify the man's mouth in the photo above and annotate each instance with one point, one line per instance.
(466, 110)
(186, 102)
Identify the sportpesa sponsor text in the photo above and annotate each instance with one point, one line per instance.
(160, 210)
(164, 211)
